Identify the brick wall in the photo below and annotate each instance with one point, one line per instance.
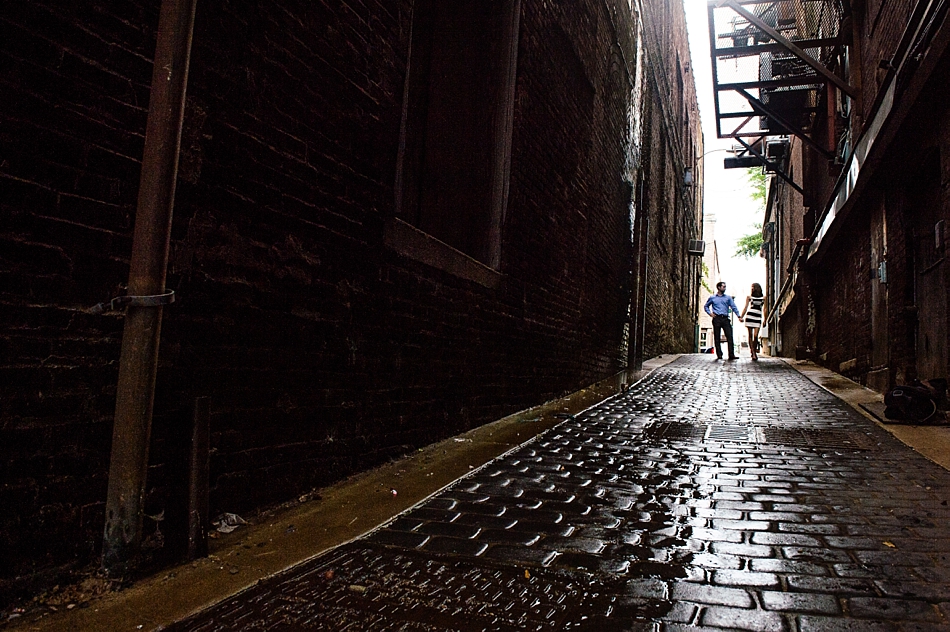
(323, 351)
(891, 217)
(844, 307)
(674, 211)
(75, 83)
(901, 325)
(878, 30)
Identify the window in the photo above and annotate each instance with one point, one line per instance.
(455, 153)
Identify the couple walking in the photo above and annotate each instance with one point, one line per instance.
(719, 305)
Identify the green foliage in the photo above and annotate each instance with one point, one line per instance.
(705, 280)
(757, 179)
(750, 245)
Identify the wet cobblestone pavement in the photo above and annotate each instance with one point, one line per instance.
(709, 496)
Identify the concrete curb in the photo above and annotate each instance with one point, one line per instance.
(933, 442)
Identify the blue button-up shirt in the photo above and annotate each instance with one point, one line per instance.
(720, 305)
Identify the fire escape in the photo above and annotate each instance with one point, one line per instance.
(772, 62)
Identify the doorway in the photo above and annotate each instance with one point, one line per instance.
(930, 286)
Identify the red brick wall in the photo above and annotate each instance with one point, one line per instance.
(879, 27)
(891, 183)
(845, 277)
(843, 322)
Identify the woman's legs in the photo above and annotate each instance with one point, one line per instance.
(753, 339)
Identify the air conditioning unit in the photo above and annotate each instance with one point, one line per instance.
(696, 247)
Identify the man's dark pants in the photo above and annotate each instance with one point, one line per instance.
(720, 324)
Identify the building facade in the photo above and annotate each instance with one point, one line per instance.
(711, 276)
(851, 98)
(394, 221)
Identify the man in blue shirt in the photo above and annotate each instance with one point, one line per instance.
(718, 307)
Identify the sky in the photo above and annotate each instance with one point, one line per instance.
(727, 193)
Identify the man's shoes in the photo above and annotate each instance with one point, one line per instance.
(733, 358)
(719, 357)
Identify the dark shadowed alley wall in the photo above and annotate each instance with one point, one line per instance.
(377, 243)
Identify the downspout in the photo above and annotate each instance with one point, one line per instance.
(642, 264)
(138, 361)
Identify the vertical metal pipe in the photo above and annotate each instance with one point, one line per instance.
(198, 480)
(138, 362)
(638, 299)
(644, 266)
(632, 362)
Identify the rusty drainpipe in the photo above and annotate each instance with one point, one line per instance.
(138, 362)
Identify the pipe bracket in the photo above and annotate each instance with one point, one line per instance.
(120, 302)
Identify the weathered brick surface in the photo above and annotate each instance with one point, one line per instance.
(75, 82)
(878, 29)
(674, 211)
(323, 351)
(899, 200)
(844, 315)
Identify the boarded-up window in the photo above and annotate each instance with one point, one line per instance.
(455, 163)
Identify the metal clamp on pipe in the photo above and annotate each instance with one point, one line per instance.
(120, 302)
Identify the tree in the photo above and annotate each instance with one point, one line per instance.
(757, 179)
(750, 245)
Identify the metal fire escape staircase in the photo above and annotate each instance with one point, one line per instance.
(771, 61)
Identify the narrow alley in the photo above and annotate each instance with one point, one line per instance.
(411, 292)
(709, 495)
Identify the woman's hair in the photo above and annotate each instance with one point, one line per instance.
(756, 290)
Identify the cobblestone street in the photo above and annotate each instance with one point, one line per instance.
(710, 495)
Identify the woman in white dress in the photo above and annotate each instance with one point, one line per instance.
(754, 314)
